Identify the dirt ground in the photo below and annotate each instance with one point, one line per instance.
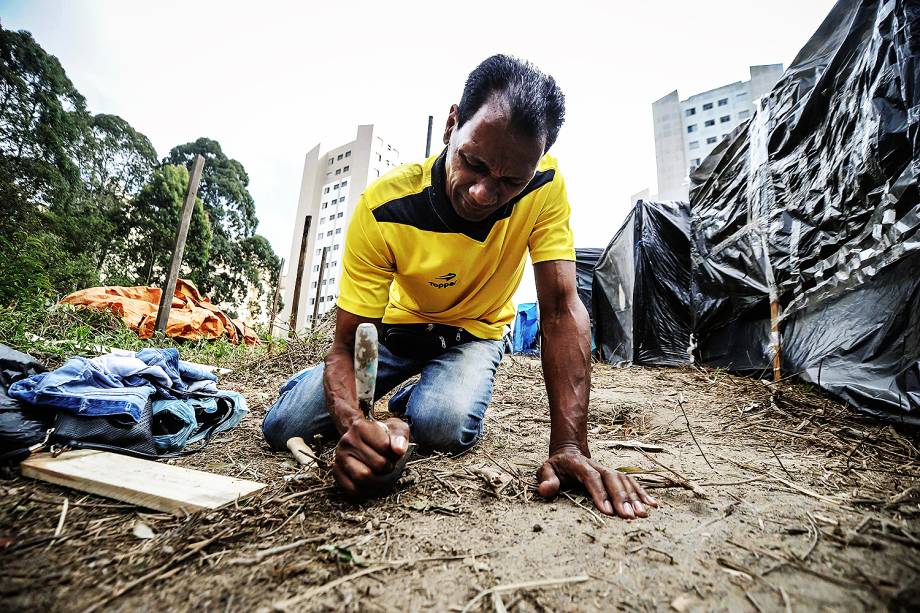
(784, 501)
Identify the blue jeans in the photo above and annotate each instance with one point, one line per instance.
(445, 408)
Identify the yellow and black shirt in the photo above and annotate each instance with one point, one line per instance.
(409, 258)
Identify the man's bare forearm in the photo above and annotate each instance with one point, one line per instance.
(339, 387)
(566, 357)
(339, 374)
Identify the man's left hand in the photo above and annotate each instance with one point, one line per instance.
(612, 491)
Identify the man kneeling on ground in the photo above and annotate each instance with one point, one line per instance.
(434, 253)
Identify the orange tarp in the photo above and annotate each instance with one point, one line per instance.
(192, 315)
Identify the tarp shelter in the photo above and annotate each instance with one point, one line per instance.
(526, 335)
(192, 315)
(641, 288)
(586, 259)
(812, 209)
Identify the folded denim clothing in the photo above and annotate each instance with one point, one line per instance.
(176, 423)
(173, 422)
(81, 388)
(118, 383)
(207, 413)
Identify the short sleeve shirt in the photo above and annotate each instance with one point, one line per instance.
(409, 258)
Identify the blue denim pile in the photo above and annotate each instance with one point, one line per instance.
(183, 395)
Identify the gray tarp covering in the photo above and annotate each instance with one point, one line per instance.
(641, 288)
(814, 202)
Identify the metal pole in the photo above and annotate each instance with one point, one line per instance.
(169, 288)
(428, 140)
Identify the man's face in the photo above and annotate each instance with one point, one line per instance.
(488, 162)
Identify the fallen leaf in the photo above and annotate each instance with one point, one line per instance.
(682, 603)
(142, 530)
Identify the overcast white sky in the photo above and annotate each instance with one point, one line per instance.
(269, 80)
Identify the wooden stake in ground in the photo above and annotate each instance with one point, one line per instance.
(276, 295)
(319, 287)
(181, 234)
(298, 280)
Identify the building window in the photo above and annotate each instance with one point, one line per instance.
(322, 298)
(344, 182)
(319, 251)
(340, 215)
(691, 111)
(331, 161)
(316, 268)
(694, 144)
(335, 247)
(325, 204)
(313, 285)
(339, 157)
(691, 128)
(707, 106)
(326, 191)
(744, 114)
(710, 122)
(329, 233)
(711, 140)
(338, 230)
(312, 301)
(379, 158)
(725, 118)
(345, 169)
(336, 186)
(348, 153)
(338, 171)
(723, 102)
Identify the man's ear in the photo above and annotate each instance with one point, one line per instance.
(452, 120)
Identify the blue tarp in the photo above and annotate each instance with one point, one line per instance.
(526, 329)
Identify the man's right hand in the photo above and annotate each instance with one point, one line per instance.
(366, 452)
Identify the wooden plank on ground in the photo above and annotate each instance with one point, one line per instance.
(146, 483)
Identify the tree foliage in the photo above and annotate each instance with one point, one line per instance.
(84, 199)
(239, 258)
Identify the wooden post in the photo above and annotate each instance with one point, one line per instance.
(298, 280)
(319, 287)
(275, 297)
(169, 288)
(775, 339)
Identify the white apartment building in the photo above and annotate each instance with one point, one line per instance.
(686, 131)
(331, 186)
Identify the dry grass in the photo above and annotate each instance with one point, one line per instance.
(796, 489)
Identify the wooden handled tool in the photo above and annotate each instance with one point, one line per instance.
(366, 354)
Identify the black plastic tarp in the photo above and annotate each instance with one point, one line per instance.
(641, 288)
(814, 205)
(19, 426)
(585, 260)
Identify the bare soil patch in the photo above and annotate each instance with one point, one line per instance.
(795, 502)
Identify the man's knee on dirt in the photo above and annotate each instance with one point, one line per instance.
(301, 397)
(450, 431)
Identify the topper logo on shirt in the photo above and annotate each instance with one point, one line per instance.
(444, 281)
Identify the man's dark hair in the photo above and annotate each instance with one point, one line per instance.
(536, 103)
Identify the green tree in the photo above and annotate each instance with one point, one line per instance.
(42, 116)
(238, 258)
(115, 162)
(154, 219)
(42, 119)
